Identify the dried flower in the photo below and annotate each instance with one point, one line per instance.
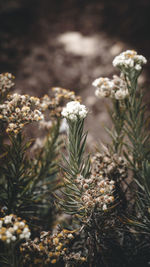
(56, 102)
(19, 110)
(49, 248)
(12, 229)
(98, 191)
(74, 110)
(61, 93)
(111, 166)
(6, 83)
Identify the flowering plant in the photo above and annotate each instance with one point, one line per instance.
(60, 204)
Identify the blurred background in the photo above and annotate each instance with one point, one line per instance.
(69, 43)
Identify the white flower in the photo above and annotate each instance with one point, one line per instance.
(13, 238)
(25, 230)
(21, 236)
(114, 88)
(104, 207)
(121, 94)
(8, 219)
(129, 59)
(27, 235)
(70, 236)
(103, 87)
(8, 234)
(72, 117)
(22, 224)
(15, 227)
(74, 110)
(138, 67)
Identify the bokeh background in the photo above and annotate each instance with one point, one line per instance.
(69, 43)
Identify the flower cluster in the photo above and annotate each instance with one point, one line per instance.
(55, 103)
(97, 191)
(19, 110)
(49, 248)
(6, 82)
(111, 166)
(114, 88)
(129, 60)
(12, 228)
(74, 110)
(61, 94)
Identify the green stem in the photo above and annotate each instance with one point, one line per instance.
(14, 170)
(118, 121)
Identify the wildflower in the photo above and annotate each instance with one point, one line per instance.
(50, 247)
(6, 82)
(104, 207)
(11, 229)
(129, 60)
(104, 87)
(115, 88)
(61, 93)
(121, 94)
(8, 219)
(19, 110)
(99, 194)
(98, 190)
(56, 102)
(74, 110)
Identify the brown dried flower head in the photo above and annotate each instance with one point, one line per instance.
(6, 83)
(57, 101)
(19, 110)
(49, 248)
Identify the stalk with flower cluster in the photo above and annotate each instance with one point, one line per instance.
(76, 166)
(135, 141)
(138, 147)
(89, 186)
(16, 171)
(117, 90)
(129, 111)
(130, 65)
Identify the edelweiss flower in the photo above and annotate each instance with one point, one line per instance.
(74, 110)
(129, 60)
(114, 88)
